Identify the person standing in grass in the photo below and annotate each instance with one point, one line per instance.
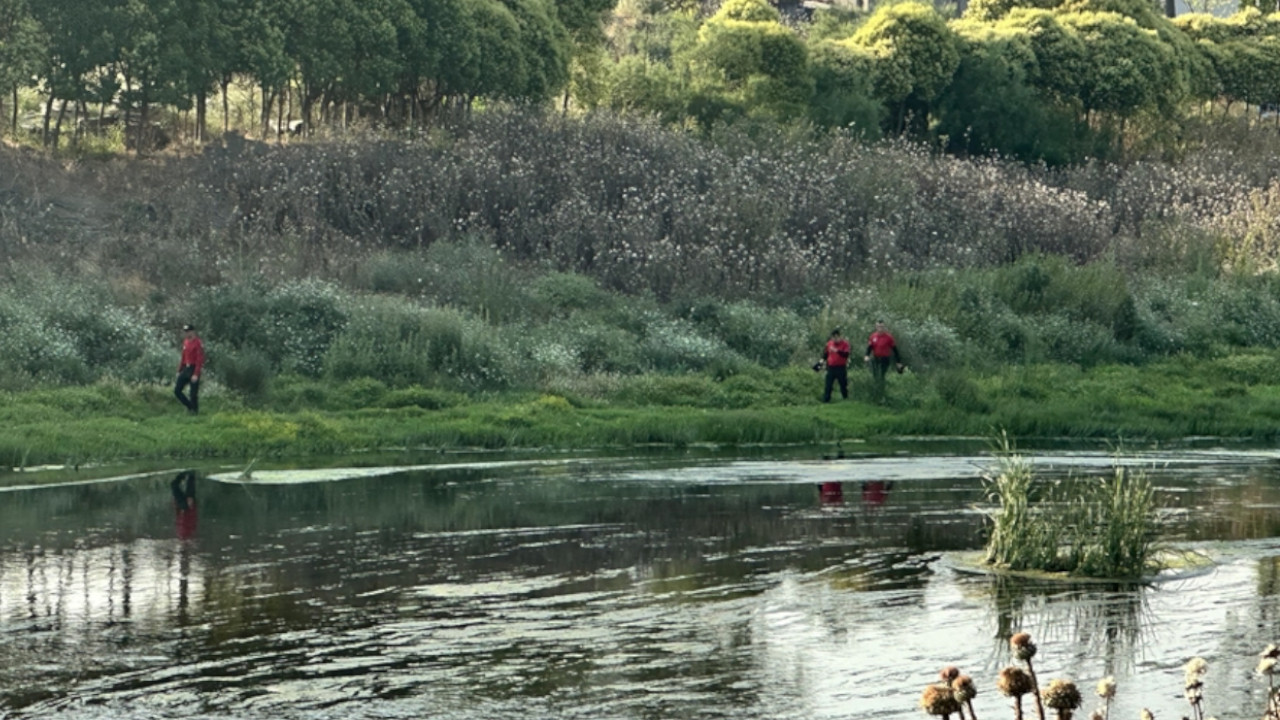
(836, 358)
(882, 351)
(189, 367)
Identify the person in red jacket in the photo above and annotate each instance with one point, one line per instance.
(881, 351)
(189, 367)
(836, 357)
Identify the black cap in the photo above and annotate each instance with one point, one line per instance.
(188, 328)
(835, 332)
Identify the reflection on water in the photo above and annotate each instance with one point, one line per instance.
(634, 588)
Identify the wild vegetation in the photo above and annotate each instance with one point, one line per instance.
(1057, 80)
(954, 691)
(612, 263)
(1098, 528)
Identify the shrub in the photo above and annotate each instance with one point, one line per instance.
(404, 344)
(681, 390)
(958, 391)
(292, 324)
(564, 293)
(425, 398)
(245, 371)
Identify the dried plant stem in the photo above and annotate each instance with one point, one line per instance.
(972, 714)
(1035, 689)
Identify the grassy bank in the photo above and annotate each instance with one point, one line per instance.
(1186, 396)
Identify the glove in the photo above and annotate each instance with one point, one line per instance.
(817, 367)
(900, 368)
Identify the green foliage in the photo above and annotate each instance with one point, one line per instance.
(992, 104)
(1128, 68)
(246, 371)
(761, 63)
(843, 78)
(747, 11)
(564, 293)
(1102, 528)
(916, 56)
(402, 344)
(291, 325)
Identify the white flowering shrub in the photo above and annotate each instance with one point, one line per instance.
(291, 325)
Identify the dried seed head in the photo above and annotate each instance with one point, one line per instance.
(949, 673)
(1271, 651)
(939, 700)
(964, 689)
(1023, 648)
(1014, 682)
(1194, 669)
(1107, 688)
(1146, 715)
(1097, 715)
(1061, 695)
(1267, 666)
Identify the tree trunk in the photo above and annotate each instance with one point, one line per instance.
(57, 128)
(44, 127)
(202, 116)
(226, 105)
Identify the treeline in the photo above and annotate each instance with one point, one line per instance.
(313, 60)
(1052, 80)
(1055, 80)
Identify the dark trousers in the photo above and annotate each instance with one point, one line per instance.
(836, 374)
(880, 368)
(184, 379)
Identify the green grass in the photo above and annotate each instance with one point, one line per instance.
(111, 421)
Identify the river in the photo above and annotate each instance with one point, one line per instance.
(675, 585)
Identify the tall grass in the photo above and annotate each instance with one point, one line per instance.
(1103, 528)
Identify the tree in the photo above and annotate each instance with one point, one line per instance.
(1128, 68)
(844, 84)
(992, 105)
(915, 55)
(760, 64)
(22, 47)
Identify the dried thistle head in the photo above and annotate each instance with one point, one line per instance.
(939, 700)
(1194, 670)
(1097, 715)
(1146, 715)
(1271, 651)
(1023, 648)
(1107, 688)
(1267, 666)
(964, 688)
(949, 673)
(1014, 682)
(1061, 695)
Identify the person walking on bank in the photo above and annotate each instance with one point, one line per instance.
(836, 358)
(189, 367)
(881, 352)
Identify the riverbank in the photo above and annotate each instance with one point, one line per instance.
(1231, 397)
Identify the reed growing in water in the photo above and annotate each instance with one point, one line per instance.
(1103, 527)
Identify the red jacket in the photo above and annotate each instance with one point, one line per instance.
(881, 345)
(192, 354)
(837, 353)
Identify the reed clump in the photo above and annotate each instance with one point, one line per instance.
(1102, 528)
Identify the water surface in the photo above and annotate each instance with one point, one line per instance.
(651, 586)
